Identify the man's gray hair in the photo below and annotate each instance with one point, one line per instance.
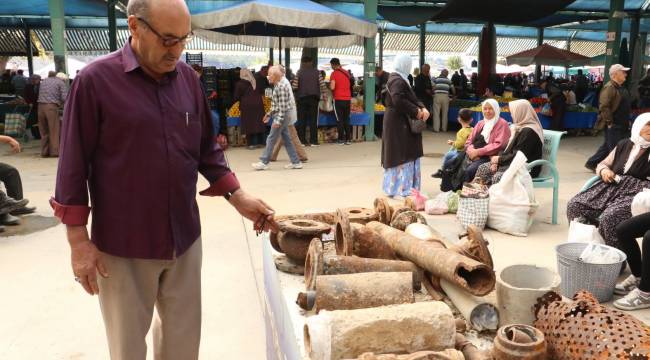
(138, 8)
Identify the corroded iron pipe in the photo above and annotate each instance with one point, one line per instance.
(474, 277)
(318, 263)
(358, 291)
(518, 341)
(355, 239)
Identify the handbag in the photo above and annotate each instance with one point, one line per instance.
(416, 125)
(15, 125)
(473, 205)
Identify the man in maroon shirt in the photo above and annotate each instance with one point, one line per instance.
(137, 131)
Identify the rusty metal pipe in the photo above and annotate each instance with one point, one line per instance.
(482, 314)
(469, 350)
(355, 239)
(474, 277)
(317, 263)
(358, 291)
(518, 341)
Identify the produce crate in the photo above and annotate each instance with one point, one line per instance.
(192, 59)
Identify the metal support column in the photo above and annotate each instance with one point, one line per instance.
(29, 48)
(287, 58)
(271, 56)
(423, 43)
(614, 27)
(112, 25)
(57, 20)
(381, 47)
(370, 12)
(634, 36)
(540, 42)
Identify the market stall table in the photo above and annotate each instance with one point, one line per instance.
(324, 119)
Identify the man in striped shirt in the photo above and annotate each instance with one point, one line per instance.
(441, 89)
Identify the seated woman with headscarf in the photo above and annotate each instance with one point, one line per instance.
(489, 137)
(251, 107)
(624, 173)
(528, 137)
(401, 149)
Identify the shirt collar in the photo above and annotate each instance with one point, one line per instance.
(130, 61)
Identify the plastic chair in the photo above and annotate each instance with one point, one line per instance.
(549, 176)
(591, 182)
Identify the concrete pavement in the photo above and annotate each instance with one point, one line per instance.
(44, 314)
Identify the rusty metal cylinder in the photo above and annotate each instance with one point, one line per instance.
(355, 239)
(519, 342)
(296, 235)
(358, 291)
(318, 264)
(476, 278)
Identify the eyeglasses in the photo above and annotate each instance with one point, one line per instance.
(169, 41)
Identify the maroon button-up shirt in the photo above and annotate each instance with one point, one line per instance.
(137, 146)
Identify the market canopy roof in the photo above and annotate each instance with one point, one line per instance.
(547, 55)
(298, 22)
(36, 13)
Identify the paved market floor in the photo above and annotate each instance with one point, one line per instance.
(45, 315)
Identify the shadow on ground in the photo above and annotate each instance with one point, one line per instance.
(30, 224)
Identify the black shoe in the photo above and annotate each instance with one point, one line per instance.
(11, 204)
(590, 167)
(25, 210)
(437, 174)
(2, 229)
(9, 220)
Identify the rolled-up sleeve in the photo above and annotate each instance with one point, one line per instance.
(213, 165)
(79, 136)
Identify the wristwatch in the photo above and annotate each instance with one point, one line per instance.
(230, 194)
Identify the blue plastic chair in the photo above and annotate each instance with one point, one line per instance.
(591, 182)
(549, 176)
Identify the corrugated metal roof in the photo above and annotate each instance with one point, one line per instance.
(588, 48)
(433, 42)
(12, 42)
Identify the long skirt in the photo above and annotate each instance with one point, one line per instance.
(607, 204)
(399, 180)
(486, 176)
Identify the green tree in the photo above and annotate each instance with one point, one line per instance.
(454, 63)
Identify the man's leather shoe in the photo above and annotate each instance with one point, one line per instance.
(11, 204)
(9, 220)
(24, 210)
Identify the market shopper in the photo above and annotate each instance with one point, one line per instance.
(614, 109)
(401, 148)
(489, 137)
(51, 97)
(282, 114)
(624, 173)
(136, 133)
(635, 287)
(12, 203)
(309, 86)
(251, 107)
(582, 86)
(442, 88)
(424, 90)
(340, 84)
(558, 103)
(457, 145)
(527, 137)
(381, 79)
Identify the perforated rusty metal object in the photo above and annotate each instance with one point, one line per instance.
(295, 235)
(318, 263)
(356, 239)
(585, 329)
(404, 218)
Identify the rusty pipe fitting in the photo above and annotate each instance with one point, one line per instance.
(519, 342)
(359, 240)
(475, 277)
(358, 291)
(317, 264)
(295, 235)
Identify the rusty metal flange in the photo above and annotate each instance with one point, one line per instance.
(304, 227)
(383, 210)
(343, 237)
(313, 263)
(360, 215)
(273, 238)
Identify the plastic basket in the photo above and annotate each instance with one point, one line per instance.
(598, 279)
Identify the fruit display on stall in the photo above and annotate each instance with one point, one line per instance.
(267, 104)
(379, 108)
(236, 112)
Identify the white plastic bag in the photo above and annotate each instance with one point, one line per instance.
(512, 200)
(438, 205)
(599, 254)
(641, 203)
(584, 233)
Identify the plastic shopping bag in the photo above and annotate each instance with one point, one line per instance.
(599, 254)
(419, 199)
(641, 203)
(584, 233)
(512, 200)
(438, 205)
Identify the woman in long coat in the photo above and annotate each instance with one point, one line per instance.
(401, 148)
(251, 107)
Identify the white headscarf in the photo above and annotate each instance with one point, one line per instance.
(524, 116)
(488, 124)
(638, 140)
(403, 65)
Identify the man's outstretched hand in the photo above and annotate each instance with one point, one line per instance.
(255, 210)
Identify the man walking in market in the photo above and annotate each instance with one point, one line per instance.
(309, 86)
(442, 89)
(136, 133)
(51, 96)
(341, 90)
(614, 109)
